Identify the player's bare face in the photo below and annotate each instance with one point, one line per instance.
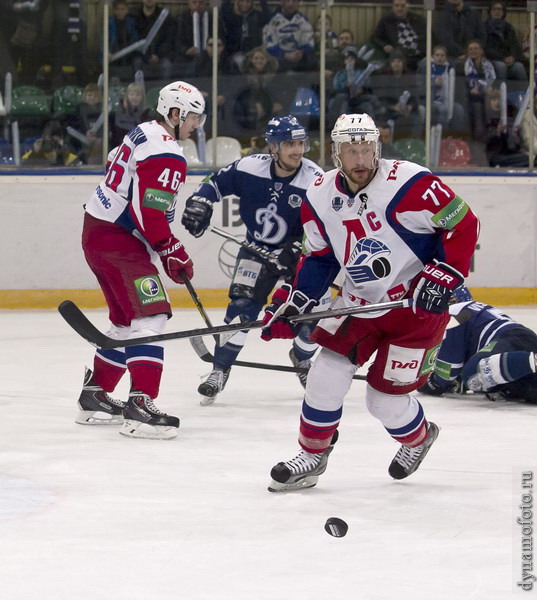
(290, 154)
(192, 121)
(357, 160)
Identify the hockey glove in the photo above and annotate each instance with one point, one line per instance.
(431, 388)
(284, 303)
(197, 215)
(435, 285)
(285, 265)
(175, 259)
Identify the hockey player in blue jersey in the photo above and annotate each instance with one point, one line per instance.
(487, 352)
(271, 188)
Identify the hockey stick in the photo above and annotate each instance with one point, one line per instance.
(254, 248)
(83, 326)
(205, 354)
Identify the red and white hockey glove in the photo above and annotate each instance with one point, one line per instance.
(284, 303)
(175, 259)
(434, 288)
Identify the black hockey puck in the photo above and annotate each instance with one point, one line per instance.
(336, 527)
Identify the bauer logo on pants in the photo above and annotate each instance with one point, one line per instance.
(149, 289)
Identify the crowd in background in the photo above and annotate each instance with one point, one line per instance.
(268, 64)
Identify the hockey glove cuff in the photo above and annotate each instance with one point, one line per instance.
(284, 303)
(197, 215)
(175, 259)
(434, 288)
(285, 265)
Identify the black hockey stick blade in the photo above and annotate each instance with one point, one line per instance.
(205, 354)
(80, 323)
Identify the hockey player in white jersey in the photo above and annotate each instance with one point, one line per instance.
(398, 232)
(126, 225)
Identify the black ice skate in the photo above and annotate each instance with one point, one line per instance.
(144, 420)
(214, 384)
(300, 364)
(96, 407)
(301, 472)
(407, 460)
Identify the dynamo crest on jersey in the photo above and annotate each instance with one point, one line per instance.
(337, 203)
(294, 201)
(368, 261)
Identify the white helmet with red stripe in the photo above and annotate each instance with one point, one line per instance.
(185, 97)
(359, 128)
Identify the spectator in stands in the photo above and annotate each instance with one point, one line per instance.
(204, 69)
(334, 60)
(24, 22)
(480, 74)
(121, 34)
(386, 137)
(502, 144)
(289, 37)
(352, 89)
(89, 123)
(403, 30)
(132, 111)
(397, 92)
(331, 47)
(260, 100)
(457, 25)
(502, 46)
(69, 60)
(193, 30)
(528, 132)
(242, 27)
(51, 149)
(440, 73)
(157, 59)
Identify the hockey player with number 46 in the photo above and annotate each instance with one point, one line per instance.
(126, 227)
(398, 232)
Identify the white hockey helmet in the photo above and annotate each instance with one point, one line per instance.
(185, 97)
(355, 128)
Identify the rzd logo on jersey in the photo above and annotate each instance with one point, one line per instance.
(368, 261)
(402, 364)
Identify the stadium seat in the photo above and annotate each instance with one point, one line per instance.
(115, 94)
(65, 100)
(454, 153)
(191, 152)
(228, 149)
(29, 101)
(411, 149)
(305, 104)
(151, 98)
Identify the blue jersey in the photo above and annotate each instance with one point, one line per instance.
(269, 205)
(485, 324)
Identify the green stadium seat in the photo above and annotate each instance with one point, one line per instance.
(411, 149)
(66, 99)
(29, 101)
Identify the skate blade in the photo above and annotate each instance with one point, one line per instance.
(137, 429)
(88, 417)
(207, 400)
(303, 484)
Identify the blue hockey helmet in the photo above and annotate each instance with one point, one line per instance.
(286, 129)
(462, 294)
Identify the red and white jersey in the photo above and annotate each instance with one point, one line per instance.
(384, 234)
(141, 183)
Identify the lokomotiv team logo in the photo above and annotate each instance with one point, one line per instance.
(149, 287)
(368, 261)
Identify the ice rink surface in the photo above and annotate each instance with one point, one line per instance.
(86, 514)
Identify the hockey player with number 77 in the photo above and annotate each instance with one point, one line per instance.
(126, 226)
(397, 231)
